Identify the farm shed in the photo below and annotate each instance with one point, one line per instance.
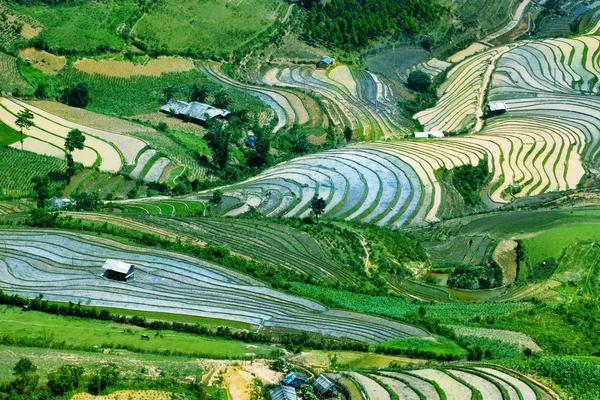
(496, 108)
(425, 135)
(324, 62)
(323, 386)
(196, 111)
(118, 270)
(283, 393)
(56, 203)
(294, 379)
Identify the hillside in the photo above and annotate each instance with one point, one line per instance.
(258, 200)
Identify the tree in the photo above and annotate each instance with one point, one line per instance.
(76, 96)
(25, 379)
(40, 91)
(169, 92)
(348, 134)
(299, 140)
(222, 99)
(263, 140)
(86, 202)
(102, 380)
(24, 121)
(317, 205)
(217, 196)
(218, 138)
(65, 379)
(23, 367)
(198, 93)
(74, 141)
(41, 189)
(419, 81)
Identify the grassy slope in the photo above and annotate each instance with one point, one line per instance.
(8, 135)
(128, 363)
(553, 242)
(216, 25)
(82, 27)
(88, 333)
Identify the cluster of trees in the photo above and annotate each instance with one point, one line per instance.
(66, 378)
(350, 24)
(471, 277)
(469, 180)
(69, 379)
(424, 94)
(74, 96)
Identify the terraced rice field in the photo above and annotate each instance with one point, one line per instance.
(10, 78)
(170, 208)
(365, 102)
(451, 382)
(267, 242)
(67, 267)
(107, 150)
(541, 145)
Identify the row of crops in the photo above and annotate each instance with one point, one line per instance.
(540, 145)
(68, 267)
(17, 168)
(271, 243)
(169, 208)
(106, 150)
(10, 33)
(364, 101)
(10, 79)
(452, 382)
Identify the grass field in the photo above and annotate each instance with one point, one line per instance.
(83, 26)
(216, 26)
(129, 364)
(553, 242)
(47, 329)
(144, 94)
(8, 135)
(397, 307)
(436, 344)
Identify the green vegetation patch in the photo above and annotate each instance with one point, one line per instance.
(44, 330)
(8, 135)
(437, 345)
(216, 26)
(580, 378)
(18, 167)
(396, 307)
(81, 26)
(552, 242)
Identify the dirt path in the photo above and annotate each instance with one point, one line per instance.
(512, 24)
(484, 87)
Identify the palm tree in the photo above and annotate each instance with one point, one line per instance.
(222, 99)
(24, 120)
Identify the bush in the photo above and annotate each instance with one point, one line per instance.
(76, 95)
(419, 81)
(65, 379)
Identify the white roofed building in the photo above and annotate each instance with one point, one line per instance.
(430, 134)
(118, 270)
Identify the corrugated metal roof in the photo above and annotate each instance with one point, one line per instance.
(117, 266)
(498, 106)
(194, 109)
(425, 135)
(326, 60)
(323, 385)
(283, 393)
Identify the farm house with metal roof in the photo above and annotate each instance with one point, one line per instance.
(198, 112)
